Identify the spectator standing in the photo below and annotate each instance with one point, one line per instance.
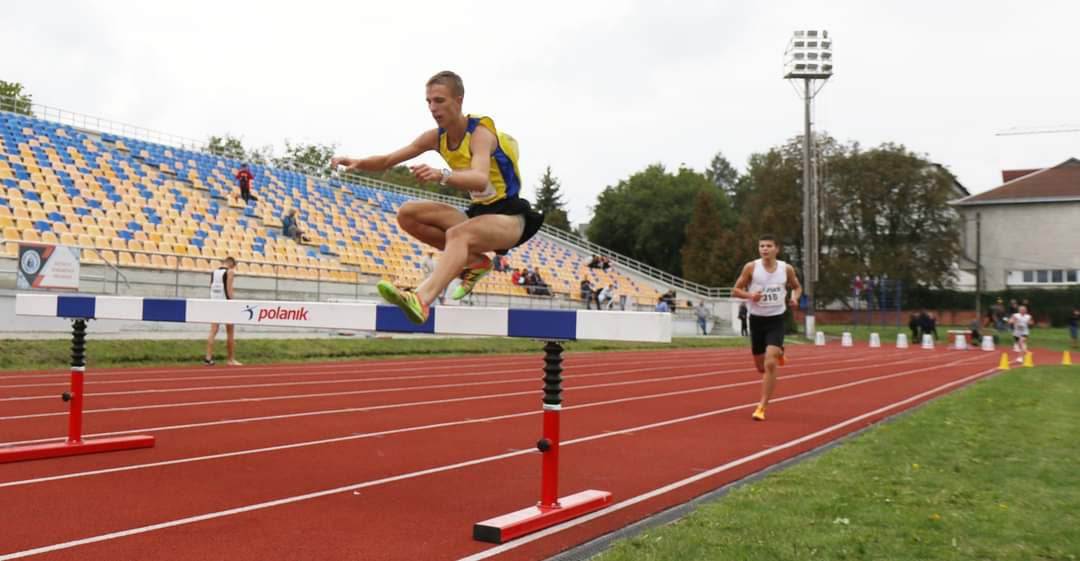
(743, 313)
(702, 313)
(221, 288)
(661, 305)
(914, 324)
(244, 178)
(1073, 321)
(999, 314)
(926, 325)
(587, 293)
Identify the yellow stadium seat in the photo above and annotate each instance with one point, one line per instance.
(186, 264)
(118, 243)
(141, 260)
(170, 261)
(85, 240)
(125, 259)
(30, 235)
(68, 239)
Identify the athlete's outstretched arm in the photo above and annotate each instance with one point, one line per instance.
(741, 285)
(475, 178)
(426, 141)
(794, 285)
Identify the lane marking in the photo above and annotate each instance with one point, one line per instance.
(487, 459)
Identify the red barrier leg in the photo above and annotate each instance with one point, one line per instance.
(75, 415)
(551, 510)
(75, 444)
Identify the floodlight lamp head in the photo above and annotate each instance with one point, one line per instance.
(809, 55)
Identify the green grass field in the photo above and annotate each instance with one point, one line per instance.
(987, 473)
(24, 354)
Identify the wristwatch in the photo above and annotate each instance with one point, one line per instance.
(445, 176)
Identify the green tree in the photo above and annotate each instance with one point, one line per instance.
(304, 156)
(712, 255)
(13, 98)
(645, 215)
(549, 201)
(227, 146)
(886, 212)
(722, 174)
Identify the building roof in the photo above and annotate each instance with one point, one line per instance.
(1052, 184)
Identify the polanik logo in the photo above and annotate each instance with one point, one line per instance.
(280, 313)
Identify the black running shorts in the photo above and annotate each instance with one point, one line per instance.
(511, 207)
(765, 331)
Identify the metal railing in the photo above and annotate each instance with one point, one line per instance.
(90, 122)
(177, 280)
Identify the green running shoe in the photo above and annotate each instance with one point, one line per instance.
(409, 302)
(473, 274)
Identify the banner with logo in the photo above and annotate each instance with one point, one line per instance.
(360, 316)
(47, 267)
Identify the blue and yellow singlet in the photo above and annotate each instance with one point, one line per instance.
(504, 179)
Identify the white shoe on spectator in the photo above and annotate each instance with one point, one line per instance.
(235, 362)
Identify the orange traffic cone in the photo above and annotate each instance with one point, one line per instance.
(1028, 361)
(1004, 364)
(1066, 359)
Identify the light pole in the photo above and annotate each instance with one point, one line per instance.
(809, 58)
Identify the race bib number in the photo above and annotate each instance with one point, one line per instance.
(773, 296)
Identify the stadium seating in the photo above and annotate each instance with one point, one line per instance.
(140, 204)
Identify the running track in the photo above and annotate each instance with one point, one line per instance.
(396, 459)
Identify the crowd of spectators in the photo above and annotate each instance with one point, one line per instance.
(532, 281)
(599, 262)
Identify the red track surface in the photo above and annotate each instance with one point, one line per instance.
(397, 459)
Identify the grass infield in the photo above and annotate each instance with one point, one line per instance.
(986, 473)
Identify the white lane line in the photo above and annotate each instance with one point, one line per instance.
(305, 373)
(524, 540)
(398, 389)
(532, 369)
(439, 469)
(573, 357)
(395, 431)
(427, 402)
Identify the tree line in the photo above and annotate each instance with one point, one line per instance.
(883, 211)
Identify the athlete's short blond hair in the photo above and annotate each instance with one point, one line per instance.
(450, 80)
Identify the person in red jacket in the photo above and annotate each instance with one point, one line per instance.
(244, 179)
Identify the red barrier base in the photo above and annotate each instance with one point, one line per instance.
(56, 449)
(527, 520)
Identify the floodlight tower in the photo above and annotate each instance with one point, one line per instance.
(809, 58)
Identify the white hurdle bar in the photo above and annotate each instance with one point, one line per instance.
(552, 326)
(546, 324)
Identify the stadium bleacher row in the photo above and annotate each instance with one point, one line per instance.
(139, 204)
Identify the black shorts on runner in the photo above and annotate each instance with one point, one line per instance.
(511, 207)
(765, 331)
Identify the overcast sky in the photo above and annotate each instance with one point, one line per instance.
(597, 90)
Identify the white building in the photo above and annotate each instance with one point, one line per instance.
(1030, 229)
